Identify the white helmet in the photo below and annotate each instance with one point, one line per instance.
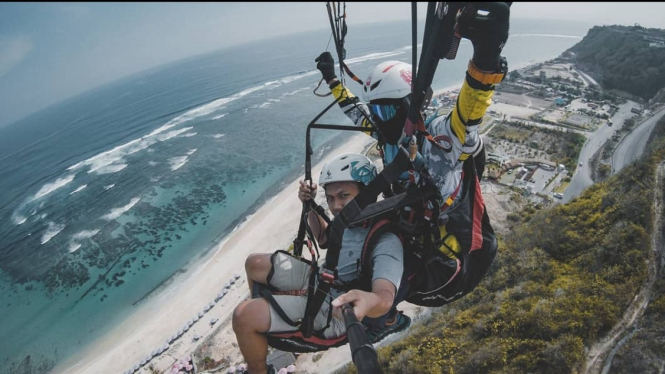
(348, 167)
(388, 80)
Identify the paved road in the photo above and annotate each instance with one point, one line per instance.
(588, 81)
(582, 178)
(632, 146)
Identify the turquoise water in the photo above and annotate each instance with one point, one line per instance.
(107, 195)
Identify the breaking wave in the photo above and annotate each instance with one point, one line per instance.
(50, 187)
(78, 189)
(117, 212)
(52, 230)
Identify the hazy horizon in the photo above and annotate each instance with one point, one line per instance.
(52, 52)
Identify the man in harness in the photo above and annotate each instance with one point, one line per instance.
(454, 138)
(372, 292)
(459, 227)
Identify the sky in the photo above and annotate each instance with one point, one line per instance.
(50, 51)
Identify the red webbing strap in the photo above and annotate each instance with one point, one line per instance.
(312, 339)
(370, 238)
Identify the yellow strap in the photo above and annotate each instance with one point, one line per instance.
(449, 246)
(482, 76)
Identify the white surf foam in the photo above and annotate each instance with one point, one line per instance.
(177, 162)
(73, 247)
(295, 77)
(109, 186)
(85, 234)
(50, 187)
(188, 135)
(109, 169)
(153, 163)
(78, 189)
(115, 155)
(52, 230)
(74, 244)
(220, 116)
(296, 91)
(217, 136)
(117, 212)
(18, 219)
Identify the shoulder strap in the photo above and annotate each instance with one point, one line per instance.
(352, 211)
(379, 228)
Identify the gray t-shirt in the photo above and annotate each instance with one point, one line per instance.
(387, 256)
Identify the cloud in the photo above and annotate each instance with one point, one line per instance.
(13, 50)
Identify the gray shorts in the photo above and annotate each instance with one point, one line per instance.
(291, 274)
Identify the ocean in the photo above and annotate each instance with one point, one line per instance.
(107, 195)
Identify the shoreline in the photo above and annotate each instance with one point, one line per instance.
(157, 318)
(153, 320)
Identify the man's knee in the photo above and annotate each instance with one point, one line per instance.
(251, 315)
(257, 266)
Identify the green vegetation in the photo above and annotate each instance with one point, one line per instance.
(624, 58)
(561, 280)
(562, 187)
(643, 350)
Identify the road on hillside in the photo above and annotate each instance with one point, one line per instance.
(632, 146)
(582, 178)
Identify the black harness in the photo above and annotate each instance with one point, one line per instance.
(443, 279)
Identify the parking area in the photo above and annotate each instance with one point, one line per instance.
(535, 179)
(559, 70)
(579, 120)
(553, 115)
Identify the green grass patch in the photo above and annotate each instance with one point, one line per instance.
(561, 187)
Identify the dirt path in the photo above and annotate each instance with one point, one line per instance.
(599, 353)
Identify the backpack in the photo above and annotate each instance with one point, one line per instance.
(444, 263)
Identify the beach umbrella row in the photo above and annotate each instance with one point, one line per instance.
(184, 364)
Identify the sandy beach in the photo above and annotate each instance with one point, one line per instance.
(182, 298)
(167, 310)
